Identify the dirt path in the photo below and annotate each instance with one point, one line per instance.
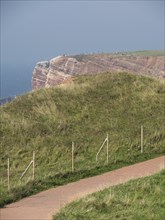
(43, 205)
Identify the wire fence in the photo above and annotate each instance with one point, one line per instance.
(74, 158)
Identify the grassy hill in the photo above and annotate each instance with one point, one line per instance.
(138, 199)
(48, 120)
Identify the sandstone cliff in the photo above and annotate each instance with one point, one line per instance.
(62, 68)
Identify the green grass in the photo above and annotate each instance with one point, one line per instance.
(154, 53)
(48, 120)
(138, 199)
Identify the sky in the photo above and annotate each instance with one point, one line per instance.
(34, 30)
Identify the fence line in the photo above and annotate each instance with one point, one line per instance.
(105, 143)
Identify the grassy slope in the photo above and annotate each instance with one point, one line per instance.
(138, 199)
(48, 120)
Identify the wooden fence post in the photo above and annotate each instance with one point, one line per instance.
(72, 156)
(8, 173)
(33, 164)
(142, 139)
(107, 149)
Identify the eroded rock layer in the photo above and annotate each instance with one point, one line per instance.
(62, 68)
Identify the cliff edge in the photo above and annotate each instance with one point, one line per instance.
(62, 68)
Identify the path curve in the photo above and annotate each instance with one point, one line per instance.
(43, 205)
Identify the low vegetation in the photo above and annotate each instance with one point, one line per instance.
(143, 53)
(138, 199)
(48, 120)
(154, 53)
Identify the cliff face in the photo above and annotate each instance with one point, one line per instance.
(62, 68)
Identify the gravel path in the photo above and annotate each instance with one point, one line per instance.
(43, 205)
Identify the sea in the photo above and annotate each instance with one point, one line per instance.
(15, 81)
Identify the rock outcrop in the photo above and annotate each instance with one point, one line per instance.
(62, 68)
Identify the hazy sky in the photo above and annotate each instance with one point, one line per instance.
(32, 31)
